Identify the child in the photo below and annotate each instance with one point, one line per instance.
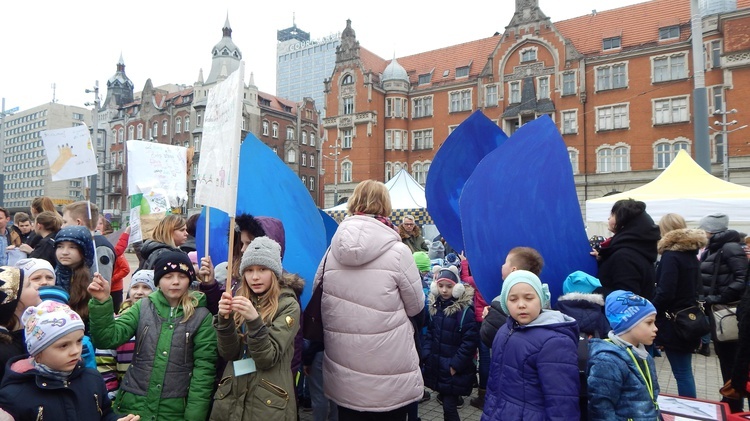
(16, 294)
(256, 330)
(52, 383)
(622, 381)
(141, 286)
(172, 372)
(451, 340)
(74, 251)
(534, 364)
(37, 271)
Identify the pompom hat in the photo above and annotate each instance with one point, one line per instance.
(46, 323)
(625, 309)
(263, 251)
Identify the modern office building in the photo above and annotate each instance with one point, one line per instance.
(303, 64)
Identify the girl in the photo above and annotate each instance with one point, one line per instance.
(74, 251)
(172, 371)
(16, 294)
(169, 234)
(452, 339)
(258, 339)
(38, 272)
(46, 226)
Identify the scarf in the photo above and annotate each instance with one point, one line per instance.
(51, 373)
(387, 222)
(62, 276)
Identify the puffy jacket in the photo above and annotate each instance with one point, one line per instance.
(371, 286)
(27, 394)
(268, 393)
(616, 388)
(588, 310)
(495, 319)
(742, 361)
(479, 302)
(678, 276)
(169, 358)
(150, 251)
(627, 263)
(732, 271)
(451, 342)
(534, 371)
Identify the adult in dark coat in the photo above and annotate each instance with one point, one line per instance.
(742, 362)
(626, 261)
(677, 280)
(724, 256)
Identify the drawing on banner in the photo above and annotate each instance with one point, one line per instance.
(157, 168)
(69, 152)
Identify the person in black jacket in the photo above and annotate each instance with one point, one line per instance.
(742, 362)
(724, 272)
(626, 261)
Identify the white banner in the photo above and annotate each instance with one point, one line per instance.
(153, 167)
(69, 152)
(218, 167)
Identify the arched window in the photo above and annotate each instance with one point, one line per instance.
(665, 151)
(139, 132)
(265, 128)
(304, 180)
(348, 80)
(312, 139)
(346, 172)
(187, 124)
(177, 125)
(312, 183)
(304, 159)
(291, 156)
(312, 161)
(388, 171)
(275, 132)
(155, 129)
(304, 137)
(164, 128)
(120, 135)
(416, 170)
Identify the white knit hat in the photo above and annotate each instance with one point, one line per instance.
(30, 266)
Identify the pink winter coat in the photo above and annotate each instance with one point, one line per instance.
(371, 287)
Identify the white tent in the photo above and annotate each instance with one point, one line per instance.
(683, 188)
(405, 193)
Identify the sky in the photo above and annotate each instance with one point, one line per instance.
(73, 44)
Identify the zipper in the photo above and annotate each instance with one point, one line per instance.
(275, 389)
(140, 343)
(98, 408)
(40, 414)
(187, 342)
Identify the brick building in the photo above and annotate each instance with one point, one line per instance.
(618, 84)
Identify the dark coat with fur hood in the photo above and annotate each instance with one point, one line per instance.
(588, 310)
(451, 341)
(678, 277)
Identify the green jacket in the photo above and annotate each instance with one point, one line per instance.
(268, 393)
(152, 364)
(416, 243)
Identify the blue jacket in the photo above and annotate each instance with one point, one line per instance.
(617, 391)
(452, 340)
(534, 371)
(588, 310)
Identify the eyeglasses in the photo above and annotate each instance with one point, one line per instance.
(406, 224)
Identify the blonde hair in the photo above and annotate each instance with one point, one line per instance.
(80, 210)
(42, 204)
(671, 222)
(268, 303)
(165, 228)
(188, 303)
(370, 197)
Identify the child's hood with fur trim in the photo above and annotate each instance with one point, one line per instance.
(464, 300)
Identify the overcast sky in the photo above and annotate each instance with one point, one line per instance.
(74, 43)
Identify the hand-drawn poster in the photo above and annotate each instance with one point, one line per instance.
(218, 167)
(157, 168)
(69, 152)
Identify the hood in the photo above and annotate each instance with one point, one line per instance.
(274, 229)
(149, 246)
(361, 239)
(598, 346)
(683, 240)
(587, 310)
(720, 238)
(551, 318)
(595, 299)
(21, 369)
(641, 235)
(293, 282)
(453, 305)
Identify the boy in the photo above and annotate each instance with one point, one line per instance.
(622, 380)
(37, 387)
(77, 213)
(534, 363)
(519, 258)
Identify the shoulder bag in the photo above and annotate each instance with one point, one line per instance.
(312, 320)
(723, 317)
(691, 323)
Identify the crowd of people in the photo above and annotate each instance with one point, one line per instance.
(189, 341)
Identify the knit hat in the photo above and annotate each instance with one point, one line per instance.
(220, 273)
(143, 276)
(437, 250)
(54, 293)
(452, 259)
(580, 281)
(173, 261)
(11, 286)
(422, 261)
(193, 256)
(448, 273)
(716, 222)
(48, 322)
(262, 251)
(625, 309)
(81, 236)
(31, 266)
(522, 276)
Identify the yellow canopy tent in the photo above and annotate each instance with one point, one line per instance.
(683, 188)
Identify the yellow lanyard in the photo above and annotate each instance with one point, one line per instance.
(646, 377)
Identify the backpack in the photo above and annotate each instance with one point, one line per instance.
(583, 361)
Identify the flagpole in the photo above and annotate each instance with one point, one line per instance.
(88, 207)
(230, 259)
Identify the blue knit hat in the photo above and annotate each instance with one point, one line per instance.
(580, 281)
(522, 276)
(625, 309)
(54, 293)
(81, 236)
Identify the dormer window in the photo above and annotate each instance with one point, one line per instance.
(425, 78)
(611, 43)
(670, 32)
(348, 80)
(528, 55)
(462, 71)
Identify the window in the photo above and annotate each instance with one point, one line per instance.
(460, 101)
(312, 161)
(304, 137)
(397, 140)
(611, 77)
(714, 60)
(312, 139)
(665, 151)
(312, 183)
(717, 98)
(515, 92)
(139, 132)
(347, 80)
(425, 79)
(612, 158)
(304, 181)
(120, 135)
(417, 172)
(490, 96)
(265, 128)
(612, 117)
(569, 83)
(621, 159)
(77, 116)
(422, 107)
(346, 172)
(289, 133)
(347, 138)
(543, 91)
(199, 119)
(610, 43)
(177, 125)
(291, 156)
(187, 124)
(422, 139)
(275, 130)
(304, 159)
(528, 55)
(395, 107)
(348, 105)
(388, 171)
(669, 68)
(719, 148)
(462, 71)
(573, 156)
(164, 128)
(671, 110)
(569, 122)
(155, 129)
(669, 32)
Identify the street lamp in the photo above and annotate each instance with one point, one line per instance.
(724, 132)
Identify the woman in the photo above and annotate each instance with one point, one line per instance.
(371, 286)
(46, 226)
(742, 363)
(169, 234)
(16, 294)
(411, 235)
(626, 260)
(724, 272)
(42, 204)
(677, 281)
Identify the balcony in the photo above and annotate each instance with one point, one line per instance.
(114, 190)
(114, 167)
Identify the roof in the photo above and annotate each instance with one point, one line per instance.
(404, 191)
(277, 103)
